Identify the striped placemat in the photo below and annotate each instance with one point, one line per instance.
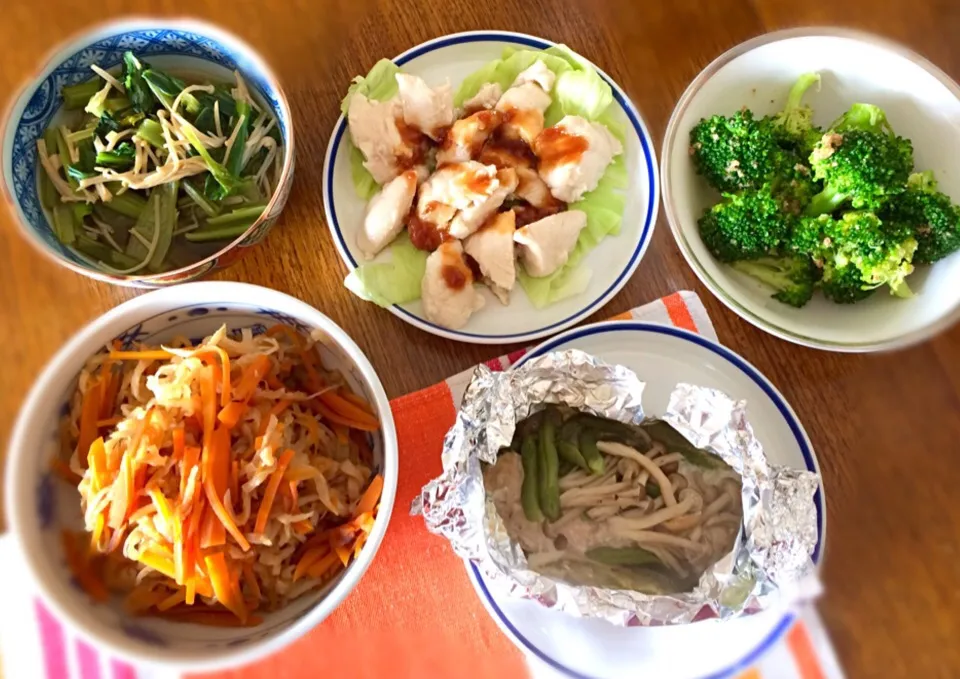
(414, 614)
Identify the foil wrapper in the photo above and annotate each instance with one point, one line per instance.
(770, 563)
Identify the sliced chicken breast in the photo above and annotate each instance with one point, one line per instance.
(447, 292)
(460, 197)
(373, 130)
(537, 73)
(492, 248)
(466, 138)
(486, 98)
(386, 214)
(523, 108)
(573, 155)
(469, 219)
(545, 245)
(531, 188)
(428, 110)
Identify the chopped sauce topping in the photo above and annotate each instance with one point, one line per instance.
(425, 235)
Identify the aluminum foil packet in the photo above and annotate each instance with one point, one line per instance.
(770, 562)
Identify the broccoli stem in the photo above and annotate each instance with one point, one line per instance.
(825, 202)
(77, 96)
(804, 82)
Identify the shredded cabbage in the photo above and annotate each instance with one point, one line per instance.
(393, 282)
(379, 84)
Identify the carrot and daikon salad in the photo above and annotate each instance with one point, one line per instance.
(217, 481)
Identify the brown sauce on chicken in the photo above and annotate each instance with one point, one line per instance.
(555, 147)
(424, 235)
(414, 146)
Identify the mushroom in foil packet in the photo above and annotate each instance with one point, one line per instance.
(559, 486)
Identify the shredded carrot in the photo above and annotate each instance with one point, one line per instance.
(305, 356)
(143, 597)
(216, 504)
(177, 597)
(368, 501)
(146, 355)
(271, 492)
(273, 381)
(163, 507)
(81, 567)
(340, 419)
(208, 397)
(250, 578)
(253, 373)
(111, 387)
(212, 532)
(294, 496)
(358, 545)
(163, 563)
(62, 469)
(342, 433)
(109, 422)
(310, 557)
(224, 586)
(232, 414)
(278, 408)
(301, 527)
(320, 568)
(179, 443)
(224, 372)
(347, 410)
(123, 492)
(191, 457)
(356, 400)
(89, 414)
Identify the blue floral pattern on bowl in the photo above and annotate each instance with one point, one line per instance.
(105, 48)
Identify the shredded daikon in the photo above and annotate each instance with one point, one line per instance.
(109, 78)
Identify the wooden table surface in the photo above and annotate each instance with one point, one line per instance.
(886, 428)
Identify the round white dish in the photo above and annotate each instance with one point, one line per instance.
(594, 649)
(39, 506)
(612, 262)
(923, 105)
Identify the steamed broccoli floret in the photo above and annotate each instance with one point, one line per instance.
(935, 220)
(793, 126)
(809, 237)
(843, 284)
(793, 278)
(745, 225)
(861, 161)
(733, 152)
(881, 251)
(792, 181)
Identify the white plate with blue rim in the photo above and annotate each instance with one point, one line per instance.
(593, 649)
(611, 263)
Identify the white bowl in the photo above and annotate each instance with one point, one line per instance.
(38, 506)
(612, 262)
(922, 104)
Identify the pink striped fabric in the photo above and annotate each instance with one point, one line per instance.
(88, 663)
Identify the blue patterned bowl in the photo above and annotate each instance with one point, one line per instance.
(39, 506)
(174, 45)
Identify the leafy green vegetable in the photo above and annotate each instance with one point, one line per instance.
(63, 226)
(166, 88)
(128, 203)
(100, 252)
(120, 158)
(77, 96)
(138, 91)
(393, 282)
(157, 221)
(230, 182)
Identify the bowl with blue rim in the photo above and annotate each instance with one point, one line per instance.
(107, 233)
(40, 506)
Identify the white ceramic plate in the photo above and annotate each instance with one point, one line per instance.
(922, 104)
(612, 262)
(593, 649)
